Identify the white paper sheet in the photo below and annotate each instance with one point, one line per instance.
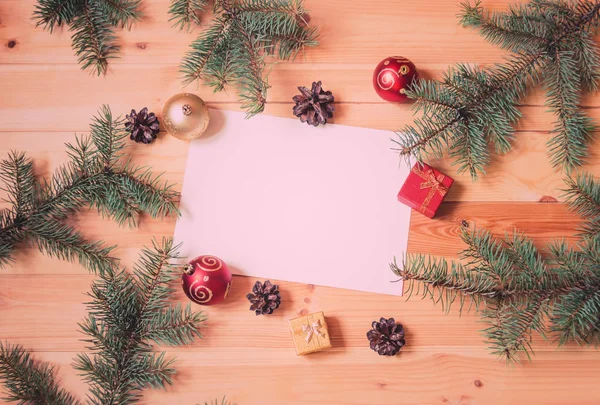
(277, 199)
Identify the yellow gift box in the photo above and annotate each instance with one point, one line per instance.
(310, 333)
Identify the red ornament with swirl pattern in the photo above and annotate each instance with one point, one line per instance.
(392, 77)
(206, 280)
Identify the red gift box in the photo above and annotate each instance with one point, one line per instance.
(425, 189)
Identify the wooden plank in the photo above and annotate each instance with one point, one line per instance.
(33, 106)
(449, 344)
(459, 379)
(413, 378)
(543, 222)
(33, 88)
(41, 312)
(355, 27)
(46, 98)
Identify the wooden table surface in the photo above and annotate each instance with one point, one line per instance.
(45, 99)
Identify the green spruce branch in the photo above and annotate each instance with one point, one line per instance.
(97, 175)
(516, 288)
(233, 48)
(128, 315)
(186, 13)
(28, 382)
(472, 108)
(92, 23)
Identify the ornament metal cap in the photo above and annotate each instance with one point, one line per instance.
(188, 269)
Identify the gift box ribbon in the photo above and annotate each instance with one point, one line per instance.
(310, 330)
(432, 182)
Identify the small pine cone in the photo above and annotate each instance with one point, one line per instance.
(314, 106)
(264, 298)
(143, 126)
(386, 337)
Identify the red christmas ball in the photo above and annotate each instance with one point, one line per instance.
(392, 77)
(206, 280)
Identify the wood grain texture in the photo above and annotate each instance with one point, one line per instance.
(46, 99)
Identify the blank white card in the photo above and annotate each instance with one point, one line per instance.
(277, 199)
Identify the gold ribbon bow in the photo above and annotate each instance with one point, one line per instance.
(433, 182)
(310, 330)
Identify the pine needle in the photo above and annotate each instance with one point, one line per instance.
(126, 316)
(516, 288)
(471, 108)
(93, 23)
(233, 48)
(96, 176)
(185, 13)
(29, 382)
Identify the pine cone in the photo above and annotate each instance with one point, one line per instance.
(386, 337)
(264, 298)
(314, 106)
(143, 126)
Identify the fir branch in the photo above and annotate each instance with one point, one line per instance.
(587, 59)
(512, 326)
(108, 135)
(92, 23)
(203, 49)
(9, 236)
(117, 204)
(444, 284)
(55, 13)
(28, 382)
(93, 38)
(558, 8)
(512, 31)
(248, 71)
(572, 314)
(65, 193)
(145, 190)
(63, 242)
(486, 114)
(471, 107)
(121, 13)
(220, 71)
(174, 326)
(516, 288)
(126, 313)
(233, 48)
(277, 26)
(470, 150)
(293, 8)
(17, 174)
(96, 177)
(583, 195)
(592, 228)
(184, 13)
(486, 255)
(573, 129)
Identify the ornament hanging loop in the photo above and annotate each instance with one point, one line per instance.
(186, 109)
(188, 269)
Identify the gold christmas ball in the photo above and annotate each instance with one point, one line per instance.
(185, 116)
